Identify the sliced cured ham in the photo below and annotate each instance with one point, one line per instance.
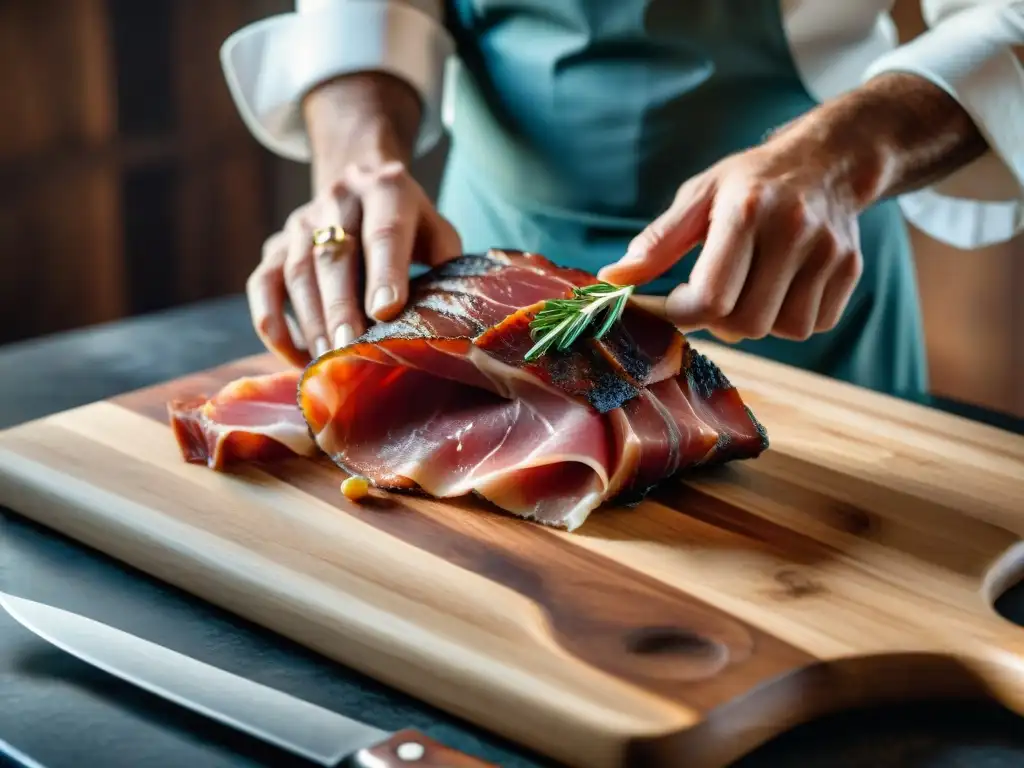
(254, 418)
(440, 401)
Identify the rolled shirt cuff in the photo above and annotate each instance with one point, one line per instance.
(271, 64)
(968, 53)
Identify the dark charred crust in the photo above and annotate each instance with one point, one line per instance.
(604, 389)
(464, 266)
(610, 392)
(626, 353)
(761, 431)
(703, 376)
(721, 452)
(727, 449)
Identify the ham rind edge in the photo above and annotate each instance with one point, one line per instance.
(440, 402)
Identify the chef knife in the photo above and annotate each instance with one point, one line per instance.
(317, 734)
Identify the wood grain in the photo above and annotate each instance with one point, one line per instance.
(856, 561)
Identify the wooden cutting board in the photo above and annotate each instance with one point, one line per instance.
(857, 560)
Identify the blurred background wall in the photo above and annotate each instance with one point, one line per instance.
(129, 184)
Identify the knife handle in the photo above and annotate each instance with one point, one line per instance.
(411, 749)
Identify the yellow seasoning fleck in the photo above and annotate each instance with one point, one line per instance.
(355, 487)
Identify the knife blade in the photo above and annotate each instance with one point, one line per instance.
(298, 726)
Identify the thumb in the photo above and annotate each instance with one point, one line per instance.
(665, 240)
(442, 241)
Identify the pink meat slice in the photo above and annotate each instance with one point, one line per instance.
(253, 418)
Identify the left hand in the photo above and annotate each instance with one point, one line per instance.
(781, 252)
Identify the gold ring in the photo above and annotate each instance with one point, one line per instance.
(329, 236)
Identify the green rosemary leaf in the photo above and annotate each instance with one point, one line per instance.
(545, 343)
(560, 322)
(612, 315)
(573, 331)
(595, 289)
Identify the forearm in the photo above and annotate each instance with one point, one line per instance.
(369, 118)
(896, 133)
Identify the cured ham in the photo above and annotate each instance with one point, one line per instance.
(440, 401)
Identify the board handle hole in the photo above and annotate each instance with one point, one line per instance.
(661, 641)
(1004, 585)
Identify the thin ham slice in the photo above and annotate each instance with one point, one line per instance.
(440, 401)
(254, 418)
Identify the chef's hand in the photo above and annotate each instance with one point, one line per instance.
(781, 249)
(361, 130)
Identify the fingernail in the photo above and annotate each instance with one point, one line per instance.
(383, 298)
(320, 346)
(343, 335)
(608, 272)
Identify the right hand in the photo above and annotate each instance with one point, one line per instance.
(364, 186)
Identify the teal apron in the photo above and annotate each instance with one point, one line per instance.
(575, 121)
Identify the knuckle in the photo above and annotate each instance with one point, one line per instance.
(651, 239)
(830, 243)
(340, 309)
(255, 281)
(296, 270)
(273, 245)
(828, 248)
(800, 218)
(799, 330)
(296, 220)
(757, 328)
(339, 188)
(827, 324)
(384, 231)
(752, 323)
(714, 305)
(260, 279)
(684, 193)
(757, 198)
(852, 265)
(758, 331)
(391, 173)
(394, 171)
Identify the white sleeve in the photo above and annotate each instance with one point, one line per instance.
(271, 64)
(968, 51)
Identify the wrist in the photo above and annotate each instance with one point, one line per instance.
(368, 118)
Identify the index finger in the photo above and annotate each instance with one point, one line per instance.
(667, 239)
(720, 272)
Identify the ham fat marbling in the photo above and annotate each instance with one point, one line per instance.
(439, 401)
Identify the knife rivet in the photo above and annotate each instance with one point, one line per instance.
(410, 752)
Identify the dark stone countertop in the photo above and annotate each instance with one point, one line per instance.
(62, 712)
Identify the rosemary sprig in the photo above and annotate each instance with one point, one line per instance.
(561, 321)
